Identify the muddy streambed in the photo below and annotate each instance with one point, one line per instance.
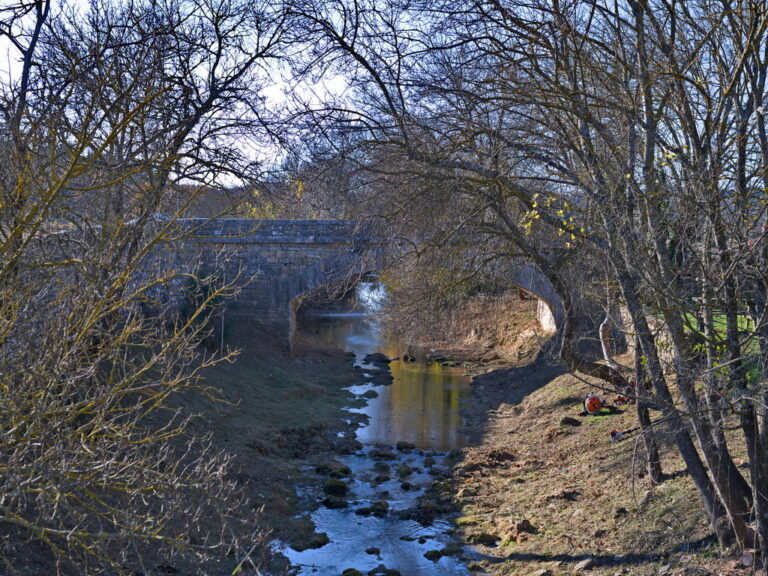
(374, 511)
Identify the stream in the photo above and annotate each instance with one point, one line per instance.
(419, 410)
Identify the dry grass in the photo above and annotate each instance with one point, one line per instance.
(586, 496)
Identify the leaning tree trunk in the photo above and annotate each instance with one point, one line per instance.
(606, 373)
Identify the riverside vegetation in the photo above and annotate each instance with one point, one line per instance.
(539, 489)
(620, 147)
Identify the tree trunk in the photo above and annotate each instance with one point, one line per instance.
(568, 336)
(652, 461)
(605, 341)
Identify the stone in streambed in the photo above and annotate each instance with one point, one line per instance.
(316, 540)
(351, 572)
(382, 570)
(405, 446)
(433, 555)
(370, 394)
(454, 549)
(382, 455)
(378, 509)
(333, 469)
(440, 471)
(347, 446)
(335, 502)
(335, 487)
(439, 488)
(376, 358)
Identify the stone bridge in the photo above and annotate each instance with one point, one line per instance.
(274, 262)
(277, 261)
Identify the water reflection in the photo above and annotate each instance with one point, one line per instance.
(421, 406)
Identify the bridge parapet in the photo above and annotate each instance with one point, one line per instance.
(246, 231)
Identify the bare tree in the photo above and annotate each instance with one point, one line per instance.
(633, 132)
(116, 113)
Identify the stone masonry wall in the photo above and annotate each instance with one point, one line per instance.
(271, 261)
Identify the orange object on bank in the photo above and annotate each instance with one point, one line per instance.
(593, 404)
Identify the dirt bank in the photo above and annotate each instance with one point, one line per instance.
(276, 414)
(542, 490)
(484, 332)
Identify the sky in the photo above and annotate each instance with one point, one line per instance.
(274, 92)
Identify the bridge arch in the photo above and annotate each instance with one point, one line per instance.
(528, 277)
(524, 275)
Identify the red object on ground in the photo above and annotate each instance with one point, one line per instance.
(593, 404)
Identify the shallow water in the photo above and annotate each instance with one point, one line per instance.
(421, 407)
(422, 404)
(351, 534)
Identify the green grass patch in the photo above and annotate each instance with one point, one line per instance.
(600, 416)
